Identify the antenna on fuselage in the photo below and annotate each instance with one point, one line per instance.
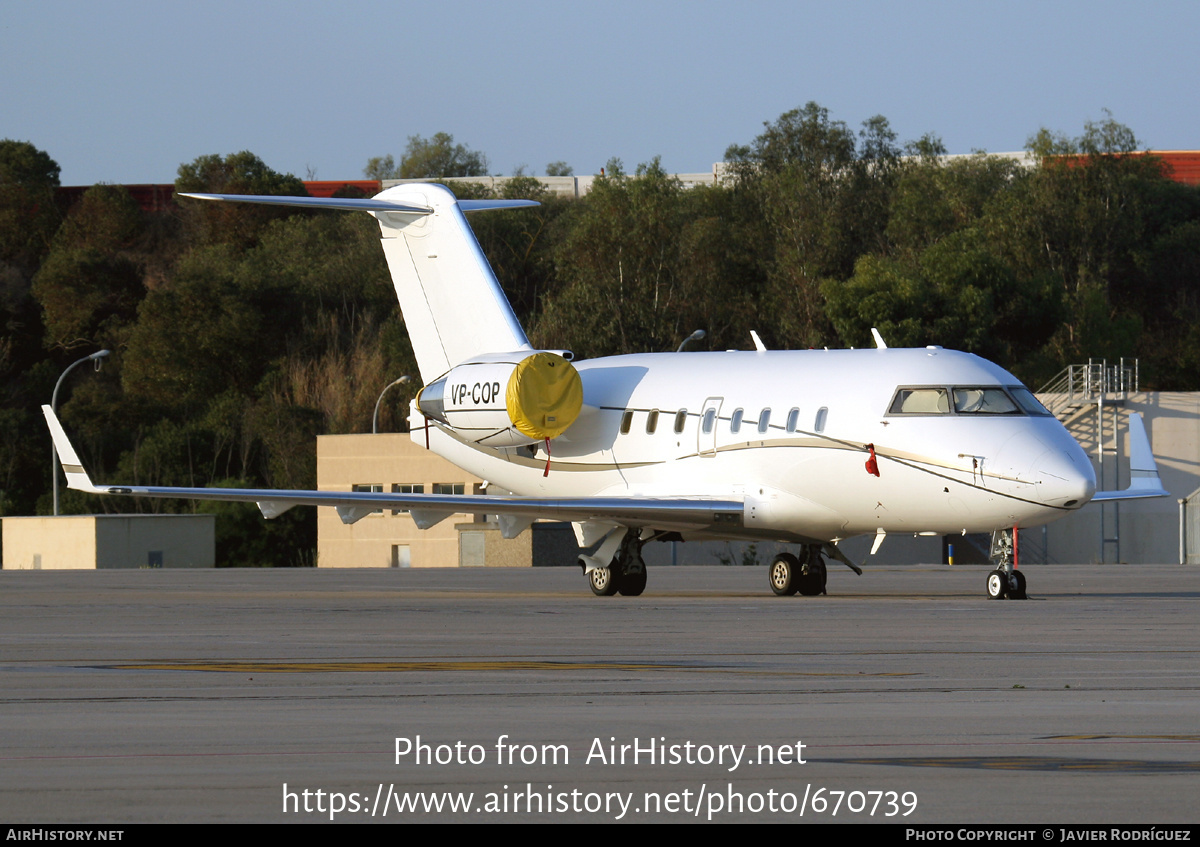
(879, 342)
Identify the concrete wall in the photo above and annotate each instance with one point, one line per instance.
(109, 541)
(1148, 529)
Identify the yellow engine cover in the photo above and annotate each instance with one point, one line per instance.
(544, 395)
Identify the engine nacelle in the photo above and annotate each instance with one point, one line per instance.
(506, 400)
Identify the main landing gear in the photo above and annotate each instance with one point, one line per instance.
(805, 575)
(1005, 582)
(625, 574)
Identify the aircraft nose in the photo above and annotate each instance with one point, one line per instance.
(1065, 476)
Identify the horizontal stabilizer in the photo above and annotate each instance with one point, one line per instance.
(349, 204)
(1143, 470)
(344, 203)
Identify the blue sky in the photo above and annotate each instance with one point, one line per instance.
(124, 91)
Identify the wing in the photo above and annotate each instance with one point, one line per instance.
(516, 513)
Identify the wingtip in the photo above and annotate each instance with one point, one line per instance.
(77, 477)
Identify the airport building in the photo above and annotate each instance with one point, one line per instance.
(101, 542)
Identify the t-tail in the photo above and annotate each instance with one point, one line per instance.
(452, 303)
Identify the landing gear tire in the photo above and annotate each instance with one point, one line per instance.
(785, 575)
(603, 582)
(632, 584)
(1018, 593)
(997, 585)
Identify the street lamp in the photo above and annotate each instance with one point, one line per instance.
(695, 336)
(404, 380)
(95, 357)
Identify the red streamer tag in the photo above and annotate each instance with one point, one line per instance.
(872, 464)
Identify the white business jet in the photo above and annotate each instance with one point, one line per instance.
(802, 447)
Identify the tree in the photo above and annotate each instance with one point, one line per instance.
(559, 168)
(238, 173)
(439, 156)
(641, 264)
(28, 213)
(429, 158)
(823, 201)
(381, 168)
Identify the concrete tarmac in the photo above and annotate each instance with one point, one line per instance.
(171, 696)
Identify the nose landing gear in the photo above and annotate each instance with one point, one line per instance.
(1005, 582)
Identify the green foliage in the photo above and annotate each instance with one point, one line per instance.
(28, 212)
(22, 164)
(238, 224)
(246, 540)
(381, 168)
(823, 198)
(642, 263)
(237, 173)
(559, 168)
(88, 298)
(90, 284)
(430, 158)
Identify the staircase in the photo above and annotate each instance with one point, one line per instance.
(1078, 388)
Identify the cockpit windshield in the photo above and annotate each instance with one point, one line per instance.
(966, 400)
(984, 401)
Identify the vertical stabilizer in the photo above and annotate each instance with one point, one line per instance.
(452, 302)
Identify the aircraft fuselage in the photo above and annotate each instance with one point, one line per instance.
(791, 432)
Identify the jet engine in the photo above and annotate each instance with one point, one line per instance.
(506, 400)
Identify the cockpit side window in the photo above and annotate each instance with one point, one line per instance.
(920, 401)
(1028, 402)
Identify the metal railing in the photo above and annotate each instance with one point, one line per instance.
(1077, 386)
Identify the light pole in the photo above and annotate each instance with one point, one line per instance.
(404, 380)
(95, 357)
(695, 336)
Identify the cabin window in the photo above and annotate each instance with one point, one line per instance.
(626, 421)
(710, 418)
(920, 401)
(819, 423)
(652, 422)
(680, 420)
(764, 420)
(406, 488)
(793, 420)
(984, 401)
(1028, 402)
(735, 422)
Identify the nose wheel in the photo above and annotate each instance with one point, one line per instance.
(1005, 582)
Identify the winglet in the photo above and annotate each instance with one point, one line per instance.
(1143, 470)
(77, 477)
